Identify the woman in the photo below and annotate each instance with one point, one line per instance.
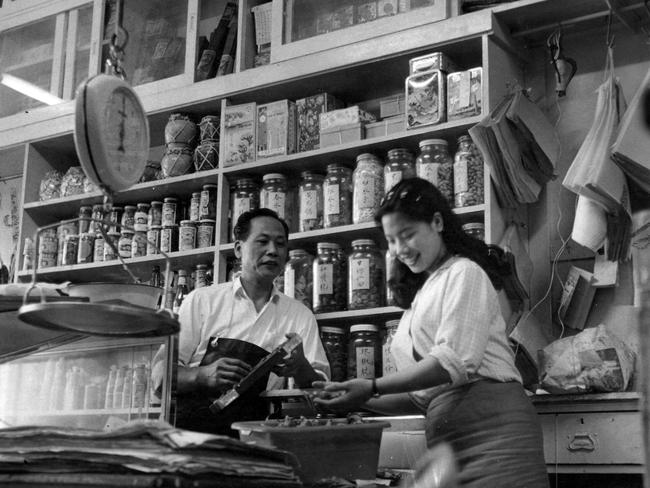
(451, 350)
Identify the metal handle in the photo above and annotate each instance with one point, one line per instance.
(582, 441)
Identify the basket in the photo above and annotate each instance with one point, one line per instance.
(262, 15)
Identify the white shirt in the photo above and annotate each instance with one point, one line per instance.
(456, 318)
(225, 310)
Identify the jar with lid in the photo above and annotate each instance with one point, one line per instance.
(85, 214)
(187, 235)
(139, 244)
(153, 240)
(298, 276)
(310, 203)
(400, 165)
(98, 248)
(329, 294)
(125, 243)
(208, 203)
(154, 216)
(368, 188)
(110, 252)
(115, 218)
(468, 174)
(169, 211)
(337, 196)
(475, 229)
(195, 204)
(364, 352)
(336, 350)
(86, 248)
(274, 194)
(201, 276)
(390, 263)
(70, 249)
(205, 233)
(244, 196)
(97, 215)
(128, 217)
(366, 277)
(141, 217)
(387, 360)
(169, 238)
(435, 164)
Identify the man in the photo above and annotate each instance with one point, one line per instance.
(216, 319)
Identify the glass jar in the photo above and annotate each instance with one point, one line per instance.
(85, 214)
(244, 196)
(337, 196)
(97, 214)
(187, 235)
(48, 248)
(468, 174)
(435, 164)
(298, 276)
(366, 281)
(169, 211)
(110, 252)
(390, 262)
(141, 217)
(387, 360)
(364, 352)
(201, 276)
(208, 203)
(400, 165)
(368, 188)
(98, 248)
(274, 193)
(154, 217)
(336, 350)
(329, 294)
(115, 218)
(125, 243)
(86, 248)
(310, 202)
(128, 217)
(195, 204)
(169, 238)
(139, 244)
(205, 233)
(475, 229)
(153, 240)
(70, 249)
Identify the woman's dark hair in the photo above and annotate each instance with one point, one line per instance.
(419, 200)
(243, 225)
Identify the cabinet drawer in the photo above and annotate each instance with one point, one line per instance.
(599, 438)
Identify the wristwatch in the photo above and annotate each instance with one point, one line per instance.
(374, 390)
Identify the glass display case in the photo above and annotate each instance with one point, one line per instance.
(89, 382)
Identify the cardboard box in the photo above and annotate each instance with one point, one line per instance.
(308, 111)
(427, 62)
(464, 93)
(344, 116)
(366, 11)
(425, 99)
(391, 106)
(391, 125)
(343, 17)
(238, 134)
(342, 134)
(276, 128)
(387, 7)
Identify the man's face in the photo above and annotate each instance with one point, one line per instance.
(264, 253)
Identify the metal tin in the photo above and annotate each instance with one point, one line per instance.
(187, 235)
(70, 249)
(205, 233)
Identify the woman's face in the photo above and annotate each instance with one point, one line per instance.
(417, 244)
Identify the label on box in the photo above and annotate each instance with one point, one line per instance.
(344, 116)
(276, 132)
(464, 93)
(239, 134)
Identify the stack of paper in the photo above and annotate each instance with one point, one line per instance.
(520, 146)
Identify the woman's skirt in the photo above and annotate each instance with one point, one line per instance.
(494, 432)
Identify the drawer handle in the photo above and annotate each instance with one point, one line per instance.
(582, 442)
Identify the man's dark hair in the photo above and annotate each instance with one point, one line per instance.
(243, 226)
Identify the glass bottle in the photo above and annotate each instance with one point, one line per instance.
(195, 204)
(337, 196)
(366, 281)
(368, 188)
(154, 216)
(387, 360)
(125, 243)
(97, 214)
(85, 214)
(245, 196)
(201, 276)
(274, 193)
(156, 277)
(329, 292)
(128, 217)
(115, 218)
(139, 244)
(364, 352)
(336, 350)
(181, 290)
(141, 217)
(299, 277)
(468, 174)
(310, 202)
(208, 202)
(435, 164)
(400, 165)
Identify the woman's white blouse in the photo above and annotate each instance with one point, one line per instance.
(456, 318)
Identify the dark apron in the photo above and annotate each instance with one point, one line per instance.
(192, 411)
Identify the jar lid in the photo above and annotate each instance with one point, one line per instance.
(311, 174)
(170, 199)
(143, 204)
(428, 142)
(364, 328)
(398, 150)
(297, 252)
(186, 223)
(201, 266)
(390, 324)
(155, 203)
(244, 181)
(273, 176)
(328, 245)
(363, 242)
(370, 156)
(333, 330)
(196, 194)
(209, 186)
(129, 207)
(155, 227)
(206, 221)
(337, 167)
(473, 226)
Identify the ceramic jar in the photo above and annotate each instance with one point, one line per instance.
(209, 128)
(206, 155)
(180, 129)
(177, 160)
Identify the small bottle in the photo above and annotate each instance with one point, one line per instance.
(181, 290)
(195, 204)
(154, 216)
(141, 217)
(201, 276)
(387, 360)
(125, 243)
(156, 277)
(128, 217)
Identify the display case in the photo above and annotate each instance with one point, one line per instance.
(87, 382)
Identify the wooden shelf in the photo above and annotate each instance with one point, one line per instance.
(349, 317)
(145, 411)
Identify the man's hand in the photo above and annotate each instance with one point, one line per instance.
(224, 373)
(294, 362)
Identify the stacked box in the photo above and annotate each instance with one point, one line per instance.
(238, 134)
(437, 60)
(308, 110)
(276, 129)
(366, 11)
(342, 134)
(464, 93)
(387, 7)
(391, 106)
(344, 116)
(385, 127)
(425, 99)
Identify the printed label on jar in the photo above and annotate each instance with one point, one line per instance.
(140, 223)
(290, 282)
(276, 202)
(204, 235)
(460, 176)
(325, 279)
(365, 362)
(429, 172)
(204, 205)
(332, 206)
(168, 213)
(194, 209)
(308, 204)
(240, 205)
(388, 363)
(367, 194)
(153, 240)
(98, 254)
(85, 251)
(166, 240)
(360, 273)
(392, 179)
(186, 238)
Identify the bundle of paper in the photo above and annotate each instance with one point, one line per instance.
(520, 146)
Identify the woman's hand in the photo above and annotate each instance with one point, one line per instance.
(347, 395)
(224, 373)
